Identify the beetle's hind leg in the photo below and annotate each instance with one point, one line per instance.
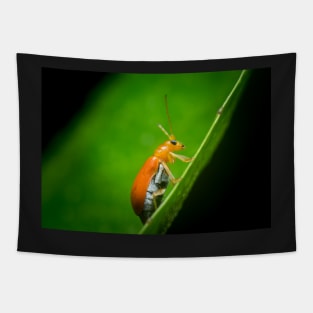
(146, 218)
(157, 193)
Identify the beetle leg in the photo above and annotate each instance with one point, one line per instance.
(159, 192)
(170, 175)
(181, 157)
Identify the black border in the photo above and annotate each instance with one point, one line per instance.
(279, 238)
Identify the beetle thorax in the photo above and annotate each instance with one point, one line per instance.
(163, 151)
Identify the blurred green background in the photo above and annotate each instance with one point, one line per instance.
(90, 163)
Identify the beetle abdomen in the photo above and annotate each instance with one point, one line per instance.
(158, 181)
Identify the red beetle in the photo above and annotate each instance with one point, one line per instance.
(152, 180)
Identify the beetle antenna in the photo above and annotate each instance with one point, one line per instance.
(164, 131)
(168, 115)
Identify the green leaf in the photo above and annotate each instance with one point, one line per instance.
(166, 213)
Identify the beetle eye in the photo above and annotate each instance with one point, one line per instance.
(173, 142)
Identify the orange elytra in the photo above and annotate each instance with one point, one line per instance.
(153, 178)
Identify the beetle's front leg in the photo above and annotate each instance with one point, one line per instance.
(181, 157)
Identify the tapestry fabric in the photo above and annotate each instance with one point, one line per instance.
(158, 158)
